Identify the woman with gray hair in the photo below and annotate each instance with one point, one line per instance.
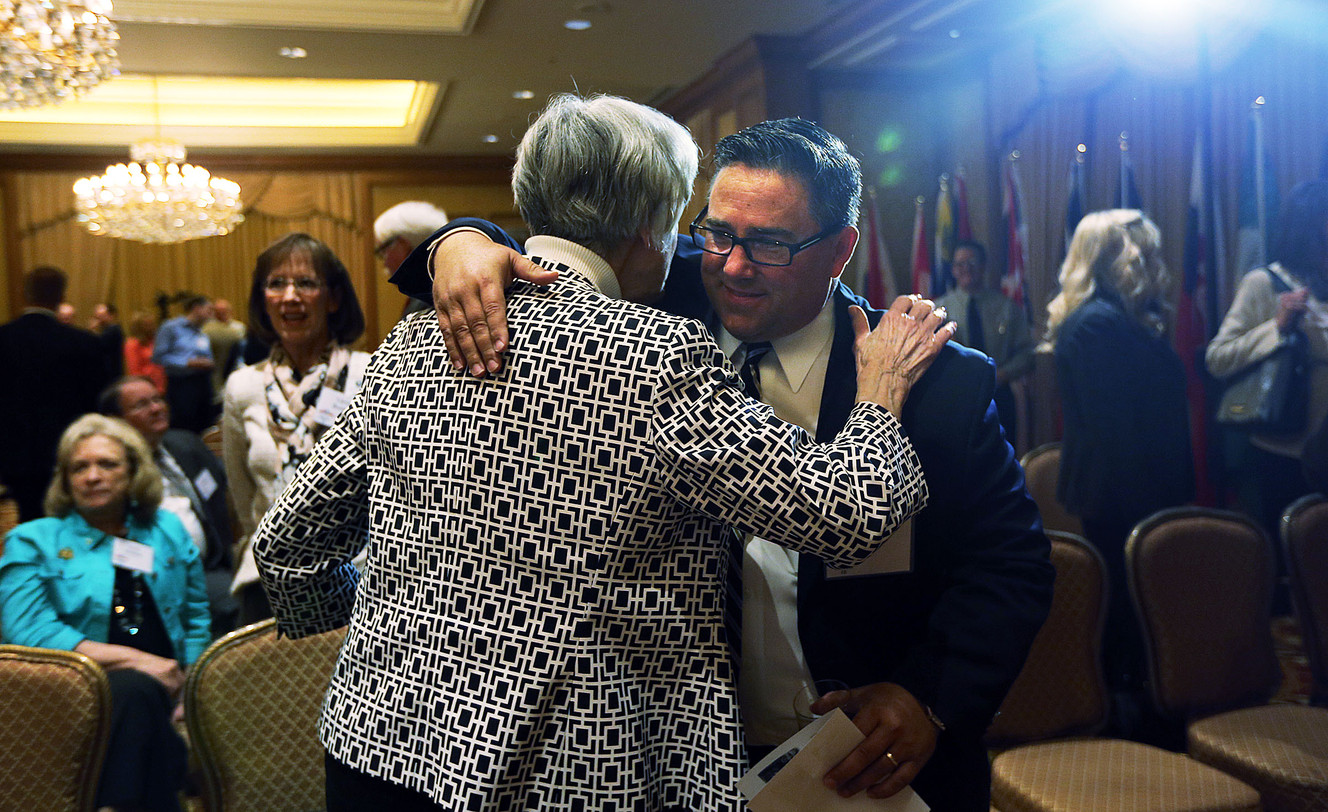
(540, 624)
(1126, 444)
(109, 575)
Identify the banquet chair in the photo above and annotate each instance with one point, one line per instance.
(1042, 468)
(252, 702)
(57, 712)
(1305, 544)
(1202, 584)
(1048, 759)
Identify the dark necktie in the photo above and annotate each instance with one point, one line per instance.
(976, 340)
(751, 384)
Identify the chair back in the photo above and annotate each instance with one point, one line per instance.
(1202, 584)
(1305, 542)
(1042, 469)
(252, 702)
(58, 710)
(1061, 690)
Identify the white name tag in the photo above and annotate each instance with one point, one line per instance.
(132, 555)
(894, 555)
(205, 484)
(330, 404)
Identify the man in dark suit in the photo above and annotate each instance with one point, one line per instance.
(193, 484)
(50, 374)
(930, 653)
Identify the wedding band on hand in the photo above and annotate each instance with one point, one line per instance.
(891, 758)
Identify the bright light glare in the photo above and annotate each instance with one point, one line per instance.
(1160, 17)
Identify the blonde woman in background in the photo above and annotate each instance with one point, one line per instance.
(1126, 445)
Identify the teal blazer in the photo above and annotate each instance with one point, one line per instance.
(56, 580)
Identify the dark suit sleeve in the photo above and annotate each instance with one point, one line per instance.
(413, 279)
(194, 457)
(991, 568)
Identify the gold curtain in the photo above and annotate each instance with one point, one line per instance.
(131, 275)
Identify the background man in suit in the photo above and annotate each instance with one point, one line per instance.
(193, 485)
(991, 323)
(105, 323)
(50, 373)
(539, 624)
(929, 654)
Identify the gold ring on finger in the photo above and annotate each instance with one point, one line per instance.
(891, 758)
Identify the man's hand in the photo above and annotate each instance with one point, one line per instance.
(892, 357)
(470, 273)
(1290, 307)
(900, 739)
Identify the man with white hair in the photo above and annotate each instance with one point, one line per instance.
(540, 624)
(398, 230)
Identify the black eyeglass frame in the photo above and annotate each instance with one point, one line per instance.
(793, 248)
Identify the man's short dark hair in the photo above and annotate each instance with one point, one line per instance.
(979, 250)
(45, 287)
(802, 149)
(194, 301)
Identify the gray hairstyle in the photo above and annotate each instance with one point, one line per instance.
(414, 221)
(594, 171)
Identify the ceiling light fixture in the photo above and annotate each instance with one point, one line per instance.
(523, 94)
(293, 52)
(490, 139)
(53, 50)
(157, 197)
(577, 25)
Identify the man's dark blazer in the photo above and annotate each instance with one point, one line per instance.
(50, 374)
(194, 458)
(956, 629)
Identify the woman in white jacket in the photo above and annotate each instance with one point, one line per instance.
(301, 302)
(1258, 323)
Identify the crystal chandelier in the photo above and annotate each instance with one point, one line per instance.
(157, 198)
(53, 50)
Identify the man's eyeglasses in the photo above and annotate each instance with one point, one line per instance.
(305, 285)
(760, 250)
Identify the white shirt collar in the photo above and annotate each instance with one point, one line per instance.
(797, 351)
(582, 259)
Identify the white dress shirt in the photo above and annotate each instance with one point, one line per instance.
(792, 379)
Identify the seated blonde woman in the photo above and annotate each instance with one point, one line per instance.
(109, 575)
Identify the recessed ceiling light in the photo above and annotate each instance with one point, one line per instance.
(577, 25)
(954, 33)
(524, 94)
(293, 52)
(490, 139)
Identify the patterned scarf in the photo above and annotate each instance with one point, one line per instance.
(291, 402)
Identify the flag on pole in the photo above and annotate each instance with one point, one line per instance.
(920, 257)
(942, 279)
(963, 228)
(1014, 284)
(880, 276)
(1196, 317)
(1074, 207)
(1258, 200)
(1127, 193)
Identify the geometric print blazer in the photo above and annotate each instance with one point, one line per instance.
(539, 625)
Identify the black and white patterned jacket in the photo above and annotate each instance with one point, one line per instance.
(539, 625)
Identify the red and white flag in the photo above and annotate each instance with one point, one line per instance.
(880, 277)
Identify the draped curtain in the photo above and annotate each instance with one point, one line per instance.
(132, 275)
